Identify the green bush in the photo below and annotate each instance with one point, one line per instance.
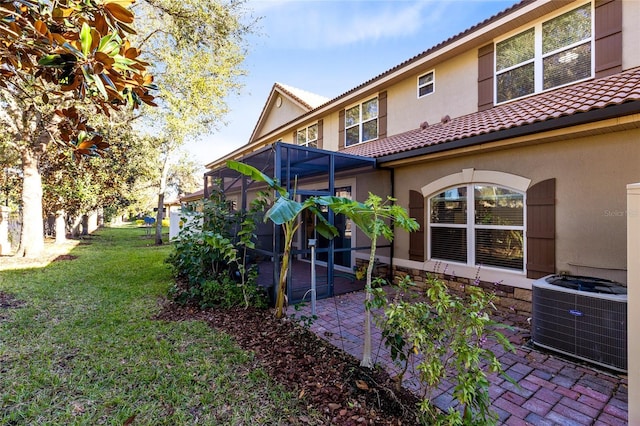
(445, 334)
(209, 258)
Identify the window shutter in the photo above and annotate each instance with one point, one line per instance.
(341, 130)
(294, 139)
(320, 134)
(416, 239)
(541, 229)
(608, 37)
(382, 115)
(485, 77)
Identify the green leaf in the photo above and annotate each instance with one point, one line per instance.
(101, 87)
(85, 38)
(283, 210)
(324, 228)
(57, 60)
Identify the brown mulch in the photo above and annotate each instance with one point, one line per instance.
(321, 375)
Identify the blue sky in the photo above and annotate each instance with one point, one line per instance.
(328, 47)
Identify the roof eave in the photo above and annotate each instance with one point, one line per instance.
(613, 111)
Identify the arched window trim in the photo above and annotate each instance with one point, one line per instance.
(467, 176)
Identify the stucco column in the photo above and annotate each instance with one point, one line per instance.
(5, 246)
(633, 294)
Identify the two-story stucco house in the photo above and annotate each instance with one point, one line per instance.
(511, 143)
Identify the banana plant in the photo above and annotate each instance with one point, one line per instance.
(285, 213)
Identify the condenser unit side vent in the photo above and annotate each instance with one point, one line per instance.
(590, 326)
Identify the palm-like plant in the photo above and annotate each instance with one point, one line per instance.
(285, 213)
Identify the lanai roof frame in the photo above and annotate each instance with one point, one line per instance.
(288, 164)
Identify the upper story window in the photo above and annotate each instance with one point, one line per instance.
(426, 84)
(308, 136)
(551, 54)
(477, 224)
(361, 122)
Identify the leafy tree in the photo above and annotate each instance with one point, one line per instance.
(196, 49)
(185, 176)
(55, 56)
(114, 181)
(373, 217)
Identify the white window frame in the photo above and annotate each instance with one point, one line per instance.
(539, 57)
(471, 226)
(432, 83)
(361, 123)
(473, 177)
(306, 131)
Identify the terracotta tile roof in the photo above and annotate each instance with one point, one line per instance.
(582, 97)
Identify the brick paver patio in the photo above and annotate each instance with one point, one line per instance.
(551, 390)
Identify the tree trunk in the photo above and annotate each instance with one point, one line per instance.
(32, 236)
(61, 228)
(159, 218)
(85, 224)
(367, 361)
(163, 188)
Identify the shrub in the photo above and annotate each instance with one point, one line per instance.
(446, 335)
(209, 259)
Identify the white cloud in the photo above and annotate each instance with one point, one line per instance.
(326, 24)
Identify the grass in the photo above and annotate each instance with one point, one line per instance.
(83, 348)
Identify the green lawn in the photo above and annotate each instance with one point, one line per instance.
(84, 350)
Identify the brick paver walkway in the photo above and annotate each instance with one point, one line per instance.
(550, 391)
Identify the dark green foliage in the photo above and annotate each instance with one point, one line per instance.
(210, 257)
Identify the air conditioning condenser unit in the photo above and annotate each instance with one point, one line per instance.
(583, 317)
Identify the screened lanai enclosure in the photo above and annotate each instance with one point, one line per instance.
(305, 172)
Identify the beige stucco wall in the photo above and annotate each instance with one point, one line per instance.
(278, 116)
(633, 294)
(591, 177)
(455, 94)
(630, 34)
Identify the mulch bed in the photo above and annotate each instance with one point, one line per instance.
(321, 375)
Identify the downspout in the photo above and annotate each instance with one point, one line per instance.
(393, 195)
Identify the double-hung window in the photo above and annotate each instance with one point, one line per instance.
(361, 122)
(426, 84)
(477, 224)
(308, 136)
(551, 54)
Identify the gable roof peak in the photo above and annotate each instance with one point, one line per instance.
(308, 99)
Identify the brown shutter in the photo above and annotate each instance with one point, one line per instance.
(485, 77)
(382, 115)
(320, 134)
(416, 239)
(541, 229)
(341, 130)
(608, 37)
(294, 140)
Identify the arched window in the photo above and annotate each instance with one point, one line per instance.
(477, 224)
